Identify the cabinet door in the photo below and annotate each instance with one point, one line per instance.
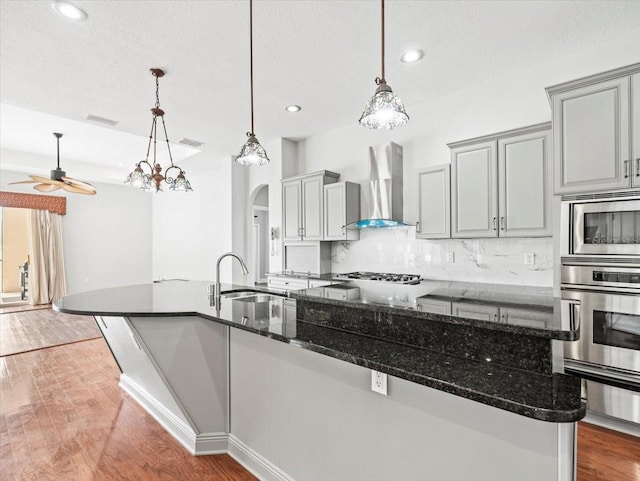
(635, 121)
(341, 208)
(312, 201)
(474, 192)
(591, 137)
(434, 306)
(287, 283)
(334, 211)
(475, 311)
(291, 210)
(434, 203)
(523, 180)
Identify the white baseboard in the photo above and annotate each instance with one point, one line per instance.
(197, 444)
(259, 466)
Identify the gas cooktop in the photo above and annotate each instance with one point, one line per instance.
(380, 276)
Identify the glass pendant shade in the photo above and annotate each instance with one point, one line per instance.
(180, 184)
(139, 179)
(252, 153)
(385, 110)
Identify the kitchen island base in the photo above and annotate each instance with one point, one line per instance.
(316, 418)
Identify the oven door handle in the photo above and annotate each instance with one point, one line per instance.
(570, 313)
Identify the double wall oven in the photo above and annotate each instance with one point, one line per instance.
(600, 277)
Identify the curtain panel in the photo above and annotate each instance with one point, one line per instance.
(47, 279)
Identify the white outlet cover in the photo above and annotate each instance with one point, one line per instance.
(530, 259)
(379, 382)
(451, 258)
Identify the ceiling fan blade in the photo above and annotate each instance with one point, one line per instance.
(80, 184)
(24, 182)
(46, 180)
(47, 187)
(78, 190)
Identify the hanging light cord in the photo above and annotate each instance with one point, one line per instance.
(58, 142)
(382, 2)
(251, 57)
(154, 129)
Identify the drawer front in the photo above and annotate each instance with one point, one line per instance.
(287, 283)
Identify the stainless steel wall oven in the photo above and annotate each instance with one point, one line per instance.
(600, 276)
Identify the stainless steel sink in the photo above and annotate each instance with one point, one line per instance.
(258, 298)
(250, 295)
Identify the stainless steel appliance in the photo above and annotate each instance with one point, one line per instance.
(379, 276)
(601, 225)
(607, 354)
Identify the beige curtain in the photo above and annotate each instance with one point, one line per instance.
(47, 280)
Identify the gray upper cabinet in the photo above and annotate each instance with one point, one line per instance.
(593, 120)
(434, 203)
(302, 206)
(500, 184)
(341, 208)
(474, 193)
(635, 120)
(523, 180)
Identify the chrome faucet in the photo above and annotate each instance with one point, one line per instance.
(245, 271)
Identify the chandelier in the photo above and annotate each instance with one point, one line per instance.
(252, 153)
(385, 110)
(153, 179)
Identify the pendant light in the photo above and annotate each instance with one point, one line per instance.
(252, 153)
(385, 110)
(154, 178)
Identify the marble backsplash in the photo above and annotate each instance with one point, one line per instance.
(496, 261)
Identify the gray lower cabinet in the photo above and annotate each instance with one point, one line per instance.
(434, 306)
(302, 205)
(434, 203)
(159, 358)
(500, 184)
(594, 120)
(341, 208)
(475, 311)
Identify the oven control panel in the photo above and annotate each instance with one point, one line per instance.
(626, 277)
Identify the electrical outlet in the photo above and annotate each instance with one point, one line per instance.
(530, 259)
(379, 382)
(451, 258)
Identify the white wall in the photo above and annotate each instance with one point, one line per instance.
(106, 237)
(191, 229)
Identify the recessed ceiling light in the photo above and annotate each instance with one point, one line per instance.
(293, 108)
(69, 10)
(411, 56)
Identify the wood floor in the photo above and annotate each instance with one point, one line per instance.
(605, 455)
(28, 330)
(63, 417)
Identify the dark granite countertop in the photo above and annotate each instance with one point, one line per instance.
(548, 397)
(518, 309)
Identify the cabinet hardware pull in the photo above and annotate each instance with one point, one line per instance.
(502, 223)
(626, 169)
(638, 167)
(494, 224)
(418, 227)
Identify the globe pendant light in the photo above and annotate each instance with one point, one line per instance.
(154, 178)
(252, 153)
(385, 110)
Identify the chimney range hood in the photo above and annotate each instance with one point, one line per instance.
(385, 187)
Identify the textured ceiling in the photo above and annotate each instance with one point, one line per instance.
(320, 54)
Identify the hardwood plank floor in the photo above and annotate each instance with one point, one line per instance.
(605, 455)
(28, 330)
(63, 417)
(23, 307)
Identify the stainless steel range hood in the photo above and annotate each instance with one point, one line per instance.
(385, 187)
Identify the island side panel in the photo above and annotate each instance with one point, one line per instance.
(316, 418)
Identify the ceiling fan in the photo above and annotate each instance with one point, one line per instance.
(59, 180)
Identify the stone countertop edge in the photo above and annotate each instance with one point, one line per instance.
(569, 409)
(561, 335)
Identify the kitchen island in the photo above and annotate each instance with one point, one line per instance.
(283, 410)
